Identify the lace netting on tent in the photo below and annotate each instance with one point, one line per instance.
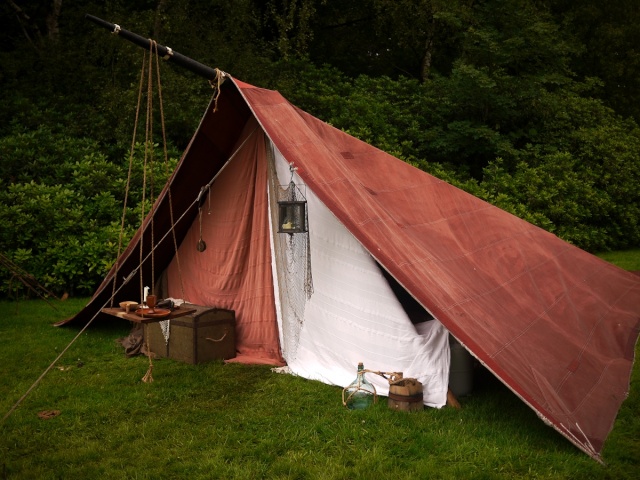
(293, 262)
(165, 326)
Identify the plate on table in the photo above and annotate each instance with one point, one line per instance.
(155, 313)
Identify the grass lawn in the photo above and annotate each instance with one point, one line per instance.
(237, 421)
(627, 259)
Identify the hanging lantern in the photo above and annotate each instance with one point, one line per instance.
(292, 216)
(292, 208)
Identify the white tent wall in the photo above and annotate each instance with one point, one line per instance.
(352, 315)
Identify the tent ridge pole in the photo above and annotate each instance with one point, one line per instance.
(165, 53)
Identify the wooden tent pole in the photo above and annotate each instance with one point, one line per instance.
(163, 52)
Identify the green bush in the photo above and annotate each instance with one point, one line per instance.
(63, 199)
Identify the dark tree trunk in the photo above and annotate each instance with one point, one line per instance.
(29, 27)
(157, 25)
(53, 27)
(425, 68)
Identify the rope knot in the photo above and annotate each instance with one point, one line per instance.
(216, 84)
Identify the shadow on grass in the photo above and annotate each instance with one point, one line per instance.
(495, 408)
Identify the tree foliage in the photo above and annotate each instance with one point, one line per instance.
(529, 105)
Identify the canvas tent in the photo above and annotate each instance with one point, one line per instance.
(387, 248)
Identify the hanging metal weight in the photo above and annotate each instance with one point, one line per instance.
(201, 246)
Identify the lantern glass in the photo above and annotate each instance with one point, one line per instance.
(292, 217)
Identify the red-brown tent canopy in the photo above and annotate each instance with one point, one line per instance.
(555, 324)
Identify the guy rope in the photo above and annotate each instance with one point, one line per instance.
(215, 77)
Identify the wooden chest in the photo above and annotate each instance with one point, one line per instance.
(205, 335)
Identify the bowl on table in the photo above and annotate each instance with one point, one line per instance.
(129, 306)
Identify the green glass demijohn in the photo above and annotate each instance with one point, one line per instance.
(359, 394)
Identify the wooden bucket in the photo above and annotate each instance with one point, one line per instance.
(406, 395)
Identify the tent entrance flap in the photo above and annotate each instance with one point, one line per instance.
(233, 272)
(351, 315)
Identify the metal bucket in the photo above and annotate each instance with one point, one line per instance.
(461, 370)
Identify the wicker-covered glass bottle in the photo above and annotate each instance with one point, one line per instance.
(359, 394)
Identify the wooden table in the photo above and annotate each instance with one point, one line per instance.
(120, 313)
